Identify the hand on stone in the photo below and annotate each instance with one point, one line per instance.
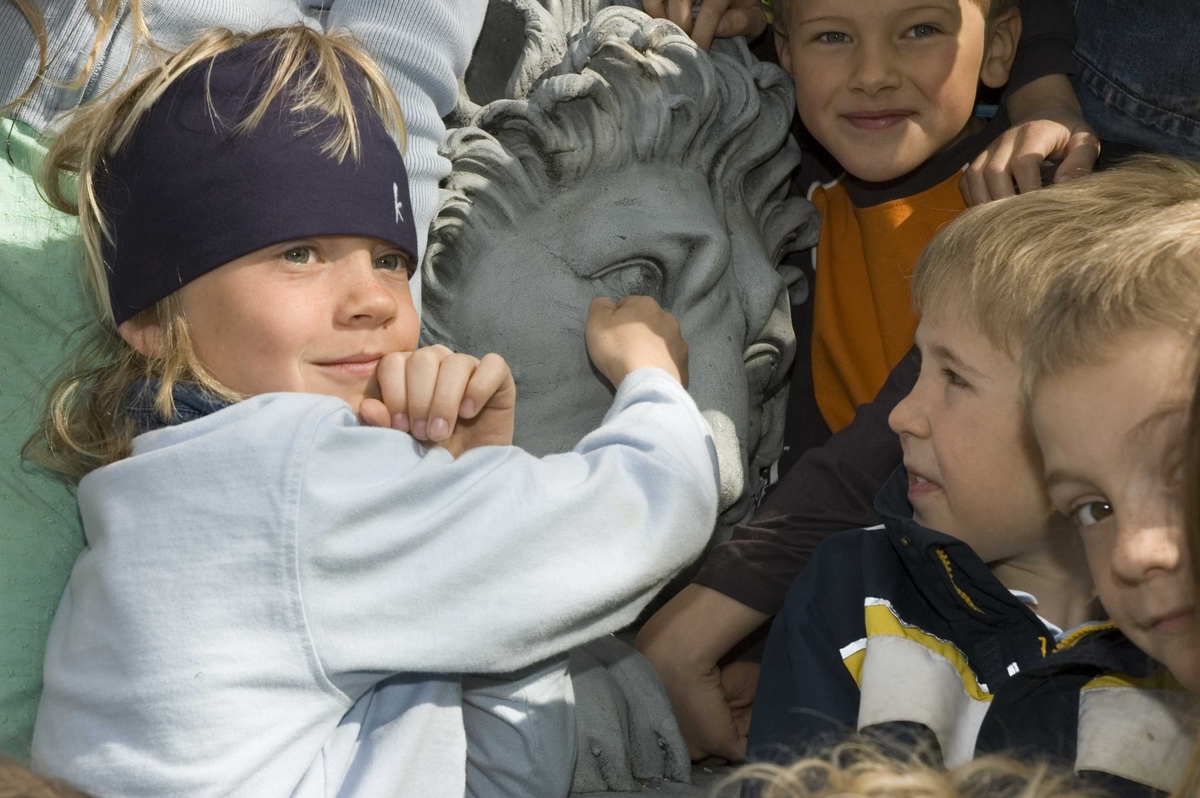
(444, 398)
(713, 707)
(634, 333)
(715, 19)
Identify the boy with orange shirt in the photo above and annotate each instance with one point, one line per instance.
(888, 90)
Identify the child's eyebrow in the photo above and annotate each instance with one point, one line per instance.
(824, 18)
(1061, 476)
(945, 354)
(833, 18)
(1160, 416)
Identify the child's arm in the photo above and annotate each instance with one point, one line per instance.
(410, 560)
(459, 402)
(744, 580)
(423, 46)
(806, 690)
(1047, 124)
(684, 641)
(1047, 120)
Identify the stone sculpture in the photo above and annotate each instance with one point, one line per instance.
(599, 152)
(638, 164)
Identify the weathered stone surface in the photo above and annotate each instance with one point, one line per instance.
(600, 152)
(638, 164)
(627, 734)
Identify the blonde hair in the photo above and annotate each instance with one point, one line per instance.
(83, 425)
(1139, 275)
(860, 770)
(16, 781)
(996, 263)
(105, 13)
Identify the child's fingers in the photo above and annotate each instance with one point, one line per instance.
(1027, 170)
(973, 183)
(374, 413)
(453, 375)
(422, 377)
(1080, 154)
(491, 377)
(601, 308)
(708, 18)
(996, 175)
(655, 8)
(392, 375)
(748, 22)
(680, 12)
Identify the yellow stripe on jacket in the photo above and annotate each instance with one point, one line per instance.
(907, 674)
(863, 321)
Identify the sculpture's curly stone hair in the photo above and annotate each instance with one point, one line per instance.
(630, 89)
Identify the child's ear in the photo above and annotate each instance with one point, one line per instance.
(1003, 35)
(144, 335)
(783, 49)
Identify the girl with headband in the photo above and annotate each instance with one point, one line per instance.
(301, 527)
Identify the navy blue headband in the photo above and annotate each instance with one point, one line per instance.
(187, 194)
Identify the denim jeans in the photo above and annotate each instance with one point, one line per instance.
(1138, 75)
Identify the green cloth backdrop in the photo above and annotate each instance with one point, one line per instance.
(41, 302)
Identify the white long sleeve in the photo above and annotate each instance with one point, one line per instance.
(270, 590)
(499, 559)
(423, 46)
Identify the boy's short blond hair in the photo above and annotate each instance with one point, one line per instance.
(996, 263)
(1142, 275)
(779, 11)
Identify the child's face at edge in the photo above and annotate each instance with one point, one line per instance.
(310, 316)
(886, 84)
(1113, 437)
(974, 471)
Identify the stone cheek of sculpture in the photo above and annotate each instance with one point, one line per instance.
(640, 165)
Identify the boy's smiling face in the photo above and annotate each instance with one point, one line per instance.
(1113, 437)
(885, 84)
(311, 316)
(973, 468)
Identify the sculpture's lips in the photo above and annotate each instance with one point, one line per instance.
(877, 120)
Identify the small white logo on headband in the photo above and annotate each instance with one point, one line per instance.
(399, 204)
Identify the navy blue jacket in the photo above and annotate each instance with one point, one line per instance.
(900, 627)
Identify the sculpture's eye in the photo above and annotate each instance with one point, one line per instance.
(637, 276)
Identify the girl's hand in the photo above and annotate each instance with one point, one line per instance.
(443, 398)
(634, 333)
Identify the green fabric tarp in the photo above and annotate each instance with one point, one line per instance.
(42, 302)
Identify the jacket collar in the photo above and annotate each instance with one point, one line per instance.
(946, 570)
(191, 402)
(952, 576)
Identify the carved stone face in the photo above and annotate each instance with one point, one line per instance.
(646, 229)
(636, 164)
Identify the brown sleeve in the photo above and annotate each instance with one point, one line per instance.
(830, 489)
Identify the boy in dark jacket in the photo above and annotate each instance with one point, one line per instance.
(983, 635)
